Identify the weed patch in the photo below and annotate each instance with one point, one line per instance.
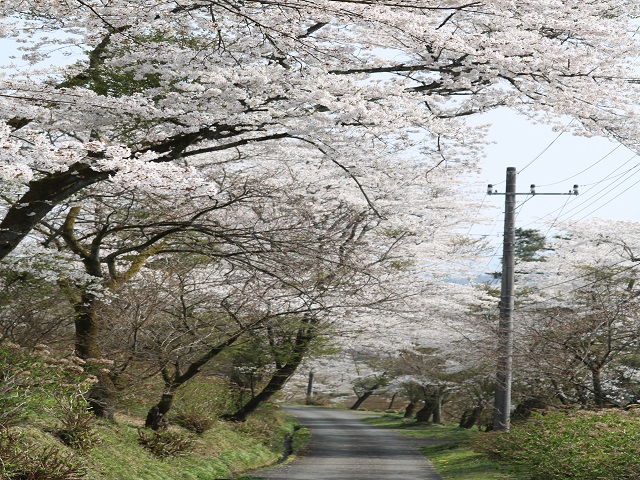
(572, 445)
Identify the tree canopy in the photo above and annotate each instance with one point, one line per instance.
(287, 169)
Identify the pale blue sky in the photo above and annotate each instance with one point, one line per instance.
(606, 172)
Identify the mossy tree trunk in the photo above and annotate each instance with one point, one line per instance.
(174, 379)
(285, 367)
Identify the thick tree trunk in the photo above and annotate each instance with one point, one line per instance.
(283, 372)
(432, 406)
(470, 417)
(424, 414)
(102, 395)
(157, 415)
(86, 327)
(598, 392)
(408, 411)
(437, 411)
(363, 397)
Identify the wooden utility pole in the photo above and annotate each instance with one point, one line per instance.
(504, 370)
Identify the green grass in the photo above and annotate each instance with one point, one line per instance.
(565, 444)
(451, 454)
(224, 451)
(300, 441)
(31, 444)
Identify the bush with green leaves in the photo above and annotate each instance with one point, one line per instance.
(572, 445)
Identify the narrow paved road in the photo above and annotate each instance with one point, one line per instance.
(345, 448)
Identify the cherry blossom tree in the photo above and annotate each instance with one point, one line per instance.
(154, 86)
(356, 108)
(581, 329)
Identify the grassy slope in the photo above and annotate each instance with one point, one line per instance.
(218, 453)
(454, 459)
(225, 450)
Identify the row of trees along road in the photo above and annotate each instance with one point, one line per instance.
(202, 173)
(576, 339)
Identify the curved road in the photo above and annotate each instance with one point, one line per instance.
(345, 448)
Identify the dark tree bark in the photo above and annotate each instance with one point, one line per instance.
(470, 417)
(174, 380)
(599, 396)
(155, 420)
(43, 195)
(393, 399)
(86, 327)
(408, 411)
(309, 389)
(276, 383)
(299, 349)
(102, 396)
(424, 414)
(432, 405)
(361, 399)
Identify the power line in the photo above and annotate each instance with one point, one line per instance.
(585, 170)
(609, 201)
(582, 287)
(547, 147)
(543, 151)
(581, 200)
(479, 210)
(557, 217)
(602, 193)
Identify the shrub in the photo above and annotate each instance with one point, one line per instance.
(576, 445)
(21, 460)
(318, 399)
(194, 419)
(77, 422)
(11, 403)
(265, 425)
(200, 403)
(165, 443)
(32, 381)
(16, 381)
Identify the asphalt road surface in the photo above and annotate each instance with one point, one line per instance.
(345, 448)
